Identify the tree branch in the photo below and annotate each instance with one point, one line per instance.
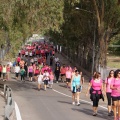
(97, 12)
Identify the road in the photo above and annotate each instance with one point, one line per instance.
(51, 104)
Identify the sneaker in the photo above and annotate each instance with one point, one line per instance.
(109, 114)
(57, 82)
(94, 114)
(73, 103)
(112, 113)
(78, 104)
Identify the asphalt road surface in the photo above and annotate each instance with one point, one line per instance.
(53, 104)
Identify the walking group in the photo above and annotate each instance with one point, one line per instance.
(37, 62)
(109, 88)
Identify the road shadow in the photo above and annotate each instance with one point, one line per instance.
(65, 102)
(64, 86)
(101, 113)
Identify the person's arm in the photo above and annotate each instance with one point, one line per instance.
(82, 78)
(112, 87)
(88, 89)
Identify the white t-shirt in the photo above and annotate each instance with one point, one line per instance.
(40, 77)
(46, 76)
(26, 53)
(17, 69)
(30, 53)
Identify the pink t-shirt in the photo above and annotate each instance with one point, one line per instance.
(63, 70)
(96, 85)
(51, 77)
(115, 83)
(30, 69)
(108, 84)
(68, 74)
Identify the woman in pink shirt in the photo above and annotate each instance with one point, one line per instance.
(30, 72)
(109, 90)
(115, 86)
(68, 77)
(0, 70)
(51, 79)
(96, 92)
(62, 72)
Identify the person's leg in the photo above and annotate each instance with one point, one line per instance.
(109, 103)
(21, 77)
(73, 98)
(57, 77)
(115, 109)
(119, 109)
(78, 98)
(39, 86)
(94, 106)
(45, 85)
(97, 102)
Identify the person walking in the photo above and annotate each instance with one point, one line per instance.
(40, 80)
(0, 71)
(96, 92)
(115, 86)
(108, 91)
(62, 73)
(57, 71)
(76, 87)
(46, 78)
(68, 77)
(30, 72)
(51, 80)
(26, 69)
(17, 70)
(36, 72)
(4, 71)
(22, 73)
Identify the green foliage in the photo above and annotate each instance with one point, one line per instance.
(22, 18)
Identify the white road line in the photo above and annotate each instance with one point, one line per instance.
(18, 116)
(80, 99)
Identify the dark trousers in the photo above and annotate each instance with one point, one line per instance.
(95, 102)
(22, 77)
(57, 76)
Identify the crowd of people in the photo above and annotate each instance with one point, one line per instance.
(37, 62)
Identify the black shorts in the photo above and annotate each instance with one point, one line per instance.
(30, 74)
(16, 74)
(115, 98)
(36, 74)
(62, 75)
(77, 89)
(68, 80)
(4, 75)
(45, 82)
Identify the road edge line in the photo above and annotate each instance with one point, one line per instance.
(18, 115)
